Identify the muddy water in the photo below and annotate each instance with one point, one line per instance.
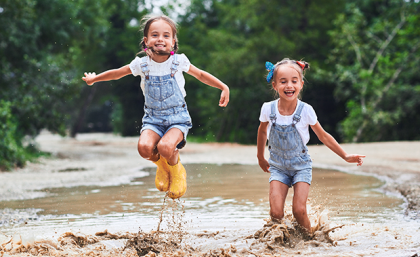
(227, 204)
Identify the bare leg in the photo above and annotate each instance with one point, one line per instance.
(278, 193)
(300, 197)
(147, 145)
(167, 145)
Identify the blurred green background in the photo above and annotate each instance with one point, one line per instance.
(364, 80)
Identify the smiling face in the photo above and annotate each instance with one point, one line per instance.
(287, 82)
(160, 37)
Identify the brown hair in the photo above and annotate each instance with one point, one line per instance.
(145, 25)
(293, 64)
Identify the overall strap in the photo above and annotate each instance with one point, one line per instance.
(296, 117)
(273, 116)
(175, 64)
(144, 66)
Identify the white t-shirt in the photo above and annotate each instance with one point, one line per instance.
(161, 69)
(308, 117)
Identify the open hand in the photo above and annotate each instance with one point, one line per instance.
(89, 78)
(355, 158)
(224, 98)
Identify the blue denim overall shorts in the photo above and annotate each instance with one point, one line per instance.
(289, 159)
(165, 106)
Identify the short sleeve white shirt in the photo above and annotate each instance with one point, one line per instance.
(308, 117)
(161, 69)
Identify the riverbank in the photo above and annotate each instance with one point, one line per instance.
(106, 159)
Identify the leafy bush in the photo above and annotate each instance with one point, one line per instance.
(12, 153)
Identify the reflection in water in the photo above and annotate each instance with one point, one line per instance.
(231, 200)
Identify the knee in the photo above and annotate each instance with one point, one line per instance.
(276, 214)
(299, 211)
(166, 149)
(145, 150)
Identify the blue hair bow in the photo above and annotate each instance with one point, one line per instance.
(270, 67)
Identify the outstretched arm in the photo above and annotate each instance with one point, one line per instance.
(91, 77)
(211, 80)
(261, 141)
(331, 143)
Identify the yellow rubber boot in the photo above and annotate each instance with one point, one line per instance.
(178, 177)
(162, 179)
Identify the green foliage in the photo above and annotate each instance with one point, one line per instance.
(42, 45)
(113, 49)
(376, 58)
(12, 152)
(233, 39)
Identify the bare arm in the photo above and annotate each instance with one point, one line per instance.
(331, 143)
(91, 77)
(261, 141)
(212, 81)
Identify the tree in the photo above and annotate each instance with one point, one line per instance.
(376, 57)
(233, 39)
(41, 46)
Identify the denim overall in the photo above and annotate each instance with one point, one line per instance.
(289, 159)
(165, 106)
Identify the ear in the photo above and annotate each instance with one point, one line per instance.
(145, 40)
(173, 43)
(274, 84)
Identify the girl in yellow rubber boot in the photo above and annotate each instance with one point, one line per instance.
(166, 120)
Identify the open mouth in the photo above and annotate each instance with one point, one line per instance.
(159, 47)
(289, 93)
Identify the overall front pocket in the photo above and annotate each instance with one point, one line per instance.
(160, 90)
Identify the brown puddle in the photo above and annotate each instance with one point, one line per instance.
(345, 194)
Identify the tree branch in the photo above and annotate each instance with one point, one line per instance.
(394, 77)
(356, 49)
(386, 43)
(396, 74)
(378, 55)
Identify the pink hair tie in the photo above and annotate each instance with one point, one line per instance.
(172, 53)
(145, 49)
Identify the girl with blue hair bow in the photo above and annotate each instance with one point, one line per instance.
(285, 123)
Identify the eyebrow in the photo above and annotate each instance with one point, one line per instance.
(165, 32)
(292, 78)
